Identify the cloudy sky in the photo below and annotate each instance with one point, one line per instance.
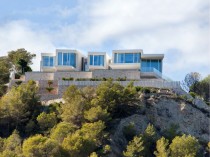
(179, 29)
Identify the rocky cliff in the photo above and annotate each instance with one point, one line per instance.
(164, 109)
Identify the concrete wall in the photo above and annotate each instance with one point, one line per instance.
(39, 76)
(60, 75)
(129, 74)
(62, 85)
(56, 76)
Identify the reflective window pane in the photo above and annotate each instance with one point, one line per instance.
(101, 60)
(45, 60)
(51, 61)
(115, 58)
(65, 58)
(60, 58)
(91, 59)
(121, 57)
(72, 59)
(129, 58)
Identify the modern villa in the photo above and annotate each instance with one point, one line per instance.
(68, 67)
(65, 60)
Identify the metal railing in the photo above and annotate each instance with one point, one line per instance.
(156, 72)
(142, 83)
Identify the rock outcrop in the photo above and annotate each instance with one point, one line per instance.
(162, 110)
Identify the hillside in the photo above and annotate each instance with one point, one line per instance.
(101, 121)
(164, 110)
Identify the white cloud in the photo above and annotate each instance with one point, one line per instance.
(18, 34)
(162, 26)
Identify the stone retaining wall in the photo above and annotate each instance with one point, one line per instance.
(129, 74)
(74, 74)
(36, 76)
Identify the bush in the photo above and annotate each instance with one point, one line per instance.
(129, 131)
(146, 90)
(82, 79)
(68, 79)
(49, 89)
(17, 75)
(193, 94)
(18, 82)
(49, 82)
(183, 97)
(3, 90)
(185, 145)
(121, 79)
(46, 121)
(104, 79)
(95, 79)
(138, 88)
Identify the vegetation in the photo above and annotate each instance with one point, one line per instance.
(197, 87)
(82, 126)
(21, 58)
(49, 88)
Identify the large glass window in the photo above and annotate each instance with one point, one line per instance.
(97, 60)
(67, 59)
(127, 57)
(48, 60)
(148, 65)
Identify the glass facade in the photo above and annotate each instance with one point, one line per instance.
(67, 59)
(60, 58)
(127, 57)
(48, 61)
(147, 65)
(97, 60)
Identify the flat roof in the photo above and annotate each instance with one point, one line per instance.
(129, 50)
(152, 56)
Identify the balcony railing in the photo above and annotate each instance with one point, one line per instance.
(156, 72)
(143, 83)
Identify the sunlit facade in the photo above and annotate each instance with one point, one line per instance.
(73, 60)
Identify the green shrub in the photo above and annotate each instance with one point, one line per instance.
(104, 79)
(3, 89)
(106, 149)
(138, 88)
(49, 89)
(146, 90)
(183, 97)
(18, 82)
(82, 79)
(49, 82)
(208, 103)
(129, 131)
(68, 79)
(17, 75)
(95, 79)
(193, 94)
(121, 79)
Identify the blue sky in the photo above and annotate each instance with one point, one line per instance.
(179, 29)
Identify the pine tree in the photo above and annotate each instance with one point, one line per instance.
(162, 148)
(134, 148)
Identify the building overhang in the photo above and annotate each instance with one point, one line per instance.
(128, 51)
(125, 66)
(152, 56)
